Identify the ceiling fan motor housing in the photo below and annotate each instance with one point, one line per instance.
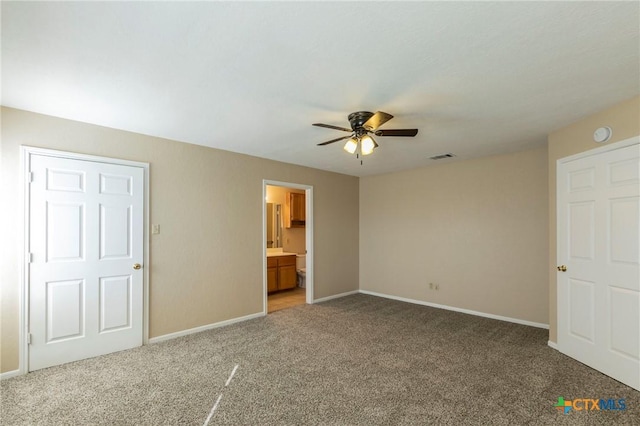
(357, 119)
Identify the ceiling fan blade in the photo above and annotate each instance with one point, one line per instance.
(377, 120)
(334, 140)
(396, 132)
(329, 126)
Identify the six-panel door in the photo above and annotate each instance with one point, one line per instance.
(86, 234)
(599, 243)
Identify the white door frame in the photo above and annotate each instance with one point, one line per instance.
(308, 189)
(26, 152)
(609, 147)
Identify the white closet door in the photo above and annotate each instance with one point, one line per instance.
(599, 244)
(86, 241)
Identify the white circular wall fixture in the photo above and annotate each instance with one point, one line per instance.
(602, 134)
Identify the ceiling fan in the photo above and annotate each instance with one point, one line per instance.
(364, 124)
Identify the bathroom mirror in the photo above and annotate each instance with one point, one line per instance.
(274, 225)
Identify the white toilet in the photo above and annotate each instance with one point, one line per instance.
(301, 268)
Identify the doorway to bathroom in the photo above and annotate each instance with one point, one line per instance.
(288, 245)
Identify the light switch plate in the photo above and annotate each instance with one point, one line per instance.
(155, 229)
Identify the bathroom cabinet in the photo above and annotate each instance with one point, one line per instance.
(296, 210)
(281, 273)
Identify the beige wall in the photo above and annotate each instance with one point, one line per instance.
(206, 264)
(624, 120)
(293, 239)
(478, 228)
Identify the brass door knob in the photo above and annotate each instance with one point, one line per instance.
(137, 266)
(562, 268)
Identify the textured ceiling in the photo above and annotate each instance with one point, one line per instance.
(477, 78)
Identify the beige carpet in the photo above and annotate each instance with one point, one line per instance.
(359, 360)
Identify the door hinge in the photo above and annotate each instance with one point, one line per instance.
(28, 338)
(30, 177)
(30, 258)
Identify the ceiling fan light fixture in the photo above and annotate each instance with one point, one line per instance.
(363, 124)
(367, 145)
(351, 145)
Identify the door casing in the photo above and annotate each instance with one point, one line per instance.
(308, 235)
(26, 152)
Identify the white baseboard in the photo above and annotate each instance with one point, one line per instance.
(335, 296)
(204, 328)
(10, 374)
(552, 345)
(452, 308)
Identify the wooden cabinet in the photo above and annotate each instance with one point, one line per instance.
(272, 277)
(296, 213)
(281, 273)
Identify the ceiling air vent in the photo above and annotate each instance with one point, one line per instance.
(442, 156)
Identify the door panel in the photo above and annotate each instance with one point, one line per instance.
(625, 172)
(65, 180)
(581, 230)
(622, 227)
(115, 232)
(272, 279)
(65, 231)
(599, 242)
(582, 179)
(625, 336)
(582, 309)
(65, 310)
(115, 184)
(287, 277)
(115, 303)
(86, 223)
